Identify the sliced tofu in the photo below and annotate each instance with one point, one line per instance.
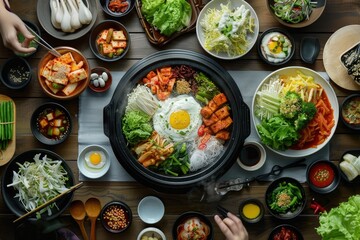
(49, 64)
(59, 77)
(119, 35)
(118, 44)
(76, 66)
(68, 89)
(49, 84)
(107, 48)
(77, 75)
(67, 58)
(61, 67)
(46, 73)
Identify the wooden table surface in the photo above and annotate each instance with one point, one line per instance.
(336, 15)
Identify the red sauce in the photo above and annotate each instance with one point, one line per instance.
(321, 175)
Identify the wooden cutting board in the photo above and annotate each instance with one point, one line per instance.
(338, 43)
(6, 155)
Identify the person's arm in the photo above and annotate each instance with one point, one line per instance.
(10, 25)
(232, 227)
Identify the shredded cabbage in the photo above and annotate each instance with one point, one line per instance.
(226, 30)
(39, 181)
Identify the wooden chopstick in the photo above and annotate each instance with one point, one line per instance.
(48, 202)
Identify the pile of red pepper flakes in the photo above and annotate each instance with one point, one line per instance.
(316, 207)
(118, 6)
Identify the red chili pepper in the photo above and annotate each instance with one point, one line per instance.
(316, 206)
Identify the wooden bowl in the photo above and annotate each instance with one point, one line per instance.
(81, 85)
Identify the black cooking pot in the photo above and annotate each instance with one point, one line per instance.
(115, 110)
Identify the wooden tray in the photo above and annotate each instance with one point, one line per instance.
(154, 35)
(6, 155)
(339, 42)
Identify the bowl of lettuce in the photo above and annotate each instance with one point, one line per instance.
(227, 29)
(342, 222)
(295, 111)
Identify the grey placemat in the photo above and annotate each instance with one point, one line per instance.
(91, 130)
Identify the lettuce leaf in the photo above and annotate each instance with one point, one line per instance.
(149, 7)
(342, 222)
(136, 126)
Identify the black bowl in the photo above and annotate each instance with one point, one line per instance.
(107, 24)
(16, 73)
(290, 214)
(105, 6)
(188, 215)
(8, 193)
(344, 107)
(355, 153)
(282, 32)
(254, 201)
(118, 206)
(35, 126)
(323, 187)
(34, 44)
(293, 229)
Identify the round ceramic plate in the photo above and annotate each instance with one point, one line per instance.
(93, 172)
(44, 17)
(215, 4)
(292, 71)
(338, 43)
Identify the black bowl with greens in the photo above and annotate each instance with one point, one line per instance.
(285, 198)
(33, 27)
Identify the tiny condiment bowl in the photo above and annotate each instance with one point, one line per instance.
(151, 232)
(117, 14)
(151, 209)
(16, 73)
(289, 214)
(351, 103)
(98, 29)
(100, 74)
(323, 176)
(118, 222)
(90, 170)
(252, 156)
(41, 130)
(251, 210)
(262, 44)
(286, 227)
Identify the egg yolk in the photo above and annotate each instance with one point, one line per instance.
(95, 158)
(179, 119)
(274, 47)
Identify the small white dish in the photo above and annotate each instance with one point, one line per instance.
(97, 170)
(151, 232)
(151, 209)
(252, 156)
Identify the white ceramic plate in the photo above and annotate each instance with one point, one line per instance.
(91, 172)
(330, 94)
(215, 4)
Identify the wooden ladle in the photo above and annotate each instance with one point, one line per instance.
(93, 209)
(77, 211)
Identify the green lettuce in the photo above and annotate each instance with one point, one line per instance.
(149, 7)
(136, 126)
(342, 222)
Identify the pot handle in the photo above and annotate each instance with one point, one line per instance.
(245, 119)
(106, 119)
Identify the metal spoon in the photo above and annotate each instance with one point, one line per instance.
(77, 211)
(93, 208)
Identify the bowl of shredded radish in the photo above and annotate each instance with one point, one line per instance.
(227, 29)
(33, 178)
(295, 111)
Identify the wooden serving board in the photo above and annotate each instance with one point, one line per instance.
(6, 155)
(338, 43)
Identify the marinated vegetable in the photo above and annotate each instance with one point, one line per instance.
(53, 123)
(111, 42)
(285, 198)
(293, 11)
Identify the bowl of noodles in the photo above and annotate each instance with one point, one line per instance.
(182, 122)
(295, 111)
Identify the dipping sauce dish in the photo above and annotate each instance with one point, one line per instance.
(251, 210)
(323, 176)
(252, 156)
(116, 216)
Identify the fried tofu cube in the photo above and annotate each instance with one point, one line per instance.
(50, 116)
(212, 105)
(118, 35)
(222, 112)
(77, 75)
(206, 112)
(220, 125)
(227, 122)
(208, 130)
(223, 135)
(211, 120)
(43, 123)
(220, 99)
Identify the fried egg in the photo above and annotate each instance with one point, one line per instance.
(178, 118)
(95, 159)
(276, 47)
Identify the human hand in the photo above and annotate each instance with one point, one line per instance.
(232, 227)
(10, 25)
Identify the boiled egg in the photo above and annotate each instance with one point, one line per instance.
(178, 118)
(276, 47)
(95, 159)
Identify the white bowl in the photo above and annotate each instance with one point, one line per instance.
(151, 209)
(330, 94)
(215, 4)
(151, 232)
(262, 156)
(91, 172)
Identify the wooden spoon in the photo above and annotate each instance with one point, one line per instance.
(77, 211)
(92, 208)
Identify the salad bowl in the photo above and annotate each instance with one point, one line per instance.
(293, 149)
(211, 33)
